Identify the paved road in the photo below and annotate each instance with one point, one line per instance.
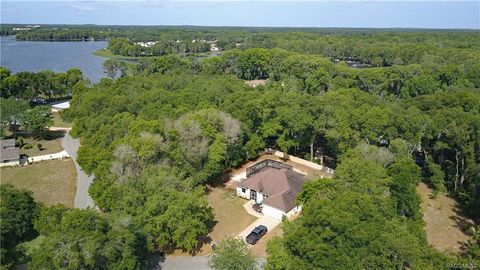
(182, 263)
(188, 263)
(82, 198)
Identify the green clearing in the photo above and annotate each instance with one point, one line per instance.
(108, 54)
(52, 182)
(49, 146)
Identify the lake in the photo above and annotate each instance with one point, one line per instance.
(34, 56)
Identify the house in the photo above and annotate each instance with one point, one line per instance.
(275, 186)
(8, 151)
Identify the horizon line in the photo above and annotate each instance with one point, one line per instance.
(244, 26)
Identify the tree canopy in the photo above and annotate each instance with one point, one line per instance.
(18, 211)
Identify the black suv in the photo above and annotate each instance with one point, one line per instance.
(256, 234)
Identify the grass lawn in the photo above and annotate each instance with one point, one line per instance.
(50, 145)
(52, 182)
(230, 218)
(108, 54)
(58, 121)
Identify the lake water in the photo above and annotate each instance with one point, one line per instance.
(34, 56)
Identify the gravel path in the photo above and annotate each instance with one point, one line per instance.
(82, 198)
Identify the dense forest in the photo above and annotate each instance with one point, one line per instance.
(177, 123)
(376, 47)
(45, 84)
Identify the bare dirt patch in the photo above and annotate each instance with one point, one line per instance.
(255, 83)
(445, 224)
(52, 182)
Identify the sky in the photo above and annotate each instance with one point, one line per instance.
(333, 13)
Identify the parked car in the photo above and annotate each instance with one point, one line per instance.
(256, 234)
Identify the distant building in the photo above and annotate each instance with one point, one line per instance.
(255, 83)
(214, 47)
(8, 151)
(147, 44)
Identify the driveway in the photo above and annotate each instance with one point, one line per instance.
(267, 221)
(82, 198)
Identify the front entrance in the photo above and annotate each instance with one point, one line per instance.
(253, 195)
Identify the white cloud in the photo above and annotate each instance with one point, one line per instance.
(81, 8)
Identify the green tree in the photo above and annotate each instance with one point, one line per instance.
(37, 120)
(12, 112)
(232, 254)
(18, 211)
(349, 222)
(84, 240)
(111, 67)
(405, 175)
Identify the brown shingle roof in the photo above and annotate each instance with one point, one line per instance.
(281, 186)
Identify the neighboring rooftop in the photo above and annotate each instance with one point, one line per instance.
(255, 83)
(7, 143)
(62, 105)
(9, 154)
(281, 186)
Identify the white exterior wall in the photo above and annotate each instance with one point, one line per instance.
(279, 214)
(272, 212)
(245, 195)
(294, 211)
(259, 197)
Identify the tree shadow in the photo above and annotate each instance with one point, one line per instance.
(219, 181)
(155, 260)
(54, 134)
(462, 221)
(48, 135)
(203, 240)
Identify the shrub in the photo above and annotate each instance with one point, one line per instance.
(40, 146)
(19, 141)
(27, 146)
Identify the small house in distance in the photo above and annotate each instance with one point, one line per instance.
(275, 186)
(8, 151)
